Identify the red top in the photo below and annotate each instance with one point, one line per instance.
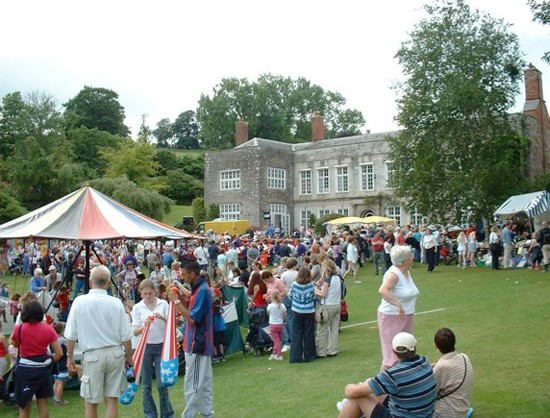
(35, 338)
(259, 301)
(63, 298)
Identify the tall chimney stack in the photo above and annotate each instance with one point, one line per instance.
(533, 83)
(317, 127)
(241, 132)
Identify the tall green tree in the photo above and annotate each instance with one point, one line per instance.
(458, 148)
(163, 133)
(96, 107)
(541, 14)
(10, 208)
(275, 107)
(35, 115)
(185, 130)
(133, 159)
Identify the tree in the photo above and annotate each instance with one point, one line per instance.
(163, 133)
(10, 208)
(147, 202)
(144, 130)
(275, 107)
(34, 115)
(213, 211)
(185, 131)
(541, 14)
(182, 188)
(96, 107)
(199, 211)
(134, 160)
(458, 148)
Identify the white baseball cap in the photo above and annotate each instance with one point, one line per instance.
(403, 342)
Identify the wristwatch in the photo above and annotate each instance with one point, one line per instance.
(177, 302)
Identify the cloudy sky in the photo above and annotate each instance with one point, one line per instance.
(159, 56)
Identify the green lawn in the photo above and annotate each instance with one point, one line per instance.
(176, 214)
(501, 319)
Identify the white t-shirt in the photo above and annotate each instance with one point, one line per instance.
(276, 313)
(405, 291)
(334, 292)
(289, 277)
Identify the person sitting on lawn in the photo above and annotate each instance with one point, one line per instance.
(455, 378)
(409, 387)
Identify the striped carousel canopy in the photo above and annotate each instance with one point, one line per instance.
(533, 204)
(87, 215)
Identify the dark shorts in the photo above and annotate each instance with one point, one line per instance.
(219, 337)
(380, 411)
(31, 381)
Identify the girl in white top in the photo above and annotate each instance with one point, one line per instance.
(396, 310)
(462, 240)
(277, 314)
(329, 292)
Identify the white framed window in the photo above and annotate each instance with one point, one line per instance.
(230, 211)
(323, 212)
(279, 216)
(342, 180)
(305, 182)
(276, 178)
(390, 173)
(323, 180)
(305, 217)
(416, 218)
(230, 180)
(394, 212)
(277, 208)
(343, 211)
(367, 177)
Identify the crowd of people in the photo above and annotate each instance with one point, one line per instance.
(299, 281)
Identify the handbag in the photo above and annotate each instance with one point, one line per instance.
(344, 316)
(321, 314)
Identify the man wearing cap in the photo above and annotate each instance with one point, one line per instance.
(410, 387)
(53, 277)
(37, 281)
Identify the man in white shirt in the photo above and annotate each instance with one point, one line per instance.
(100, 324)
(201, 255)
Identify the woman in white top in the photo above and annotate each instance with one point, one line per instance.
(396, 311)
(329, 292)
(429, 244)
(494, 246)
(462, 241)
(142, 314)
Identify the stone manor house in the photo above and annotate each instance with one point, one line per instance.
(272, 183)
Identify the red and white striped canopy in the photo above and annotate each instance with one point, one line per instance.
(87, 215)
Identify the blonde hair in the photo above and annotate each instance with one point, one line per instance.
(147, 283)
(276, 296)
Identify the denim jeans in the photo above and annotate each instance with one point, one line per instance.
(80, 286)
(151, 362)
(287, 330)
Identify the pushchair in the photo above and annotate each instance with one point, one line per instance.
(448, 253)
(6, 395)
(258, 339)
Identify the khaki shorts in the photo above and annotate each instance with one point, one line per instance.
(103, 375)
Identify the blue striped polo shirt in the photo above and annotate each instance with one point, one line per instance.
(303, 297)
(411, 387)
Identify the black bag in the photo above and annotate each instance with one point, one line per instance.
(495, 247)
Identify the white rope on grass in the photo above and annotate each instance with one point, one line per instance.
(374, 322)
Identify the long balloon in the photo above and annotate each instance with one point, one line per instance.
(169, 358)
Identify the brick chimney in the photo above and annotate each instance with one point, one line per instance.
(533, 83)
(241, 132)
(317, 127)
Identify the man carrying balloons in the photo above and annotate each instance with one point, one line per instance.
(198, 342)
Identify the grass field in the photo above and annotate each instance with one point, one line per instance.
(501, 319)
(176, 214)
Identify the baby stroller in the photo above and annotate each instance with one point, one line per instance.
(258, 340)
(6, 394)
(447, 252)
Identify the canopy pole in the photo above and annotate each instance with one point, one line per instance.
(87, 245)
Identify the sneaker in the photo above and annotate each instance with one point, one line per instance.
(280, 358)
(340, 404)
(358, 282)
(285, 348)
(272, 357)
(60, 402)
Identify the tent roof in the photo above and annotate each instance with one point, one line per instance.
(87, 215)
(533, 204)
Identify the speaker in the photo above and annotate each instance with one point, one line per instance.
(188, 220)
